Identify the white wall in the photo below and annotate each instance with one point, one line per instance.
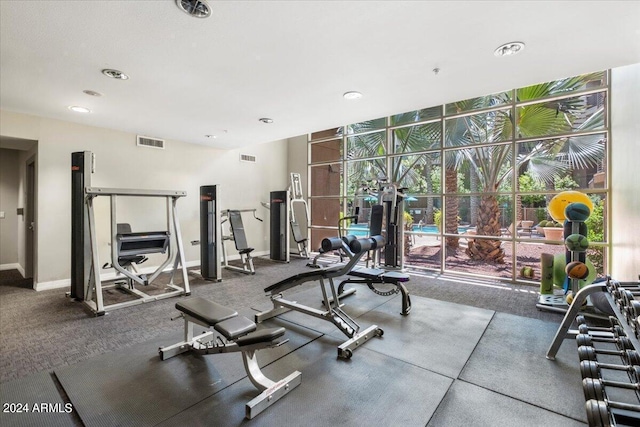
(121, 164)
(625, 159)
(9, 180)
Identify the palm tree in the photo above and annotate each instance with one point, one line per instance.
(544, 159)
(483, 143)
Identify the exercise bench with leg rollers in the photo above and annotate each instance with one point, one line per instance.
(333, 309)
(232, 333)
(372, 276)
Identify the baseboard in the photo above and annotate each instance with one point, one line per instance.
(13, 266)
(54, 284)
(66, 283)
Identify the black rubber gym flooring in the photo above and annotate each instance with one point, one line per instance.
(443, 365)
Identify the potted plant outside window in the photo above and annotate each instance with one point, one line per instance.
(553, 230)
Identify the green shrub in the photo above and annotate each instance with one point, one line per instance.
(595, 233)
(437, 218)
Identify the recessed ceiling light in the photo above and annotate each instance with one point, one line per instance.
(92, 92)
(79, 109)
(211, 136)
(352, 95)
(509, 49)
(195, 8)
(266, 120)
(115, 74)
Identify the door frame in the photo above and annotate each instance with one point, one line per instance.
(31, 215)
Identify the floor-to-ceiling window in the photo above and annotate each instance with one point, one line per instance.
(478, 174)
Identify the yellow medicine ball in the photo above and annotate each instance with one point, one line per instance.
(559, 203)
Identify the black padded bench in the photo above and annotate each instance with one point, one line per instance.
(240, 335)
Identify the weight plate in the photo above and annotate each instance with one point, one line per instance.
(593, 389)
(584, 339)
(633, 358)
(593, 413)
(589, 369)
(624, 343)
(586, 353)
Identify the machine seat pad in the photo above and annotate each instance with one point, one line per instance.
(131, 259)
(367, 273)
(235, 327)
(263, 335)
(206, 311)
(245, 251)
(378, 274)
(395, 277)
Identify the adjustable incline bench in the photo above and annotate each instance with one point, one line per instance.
(334, 312)
(240, 335)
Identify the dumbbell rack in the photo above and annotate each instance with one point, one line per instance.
(627, 314)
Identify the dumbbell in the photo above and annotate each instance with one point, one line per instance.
(623, 343)
(630, 357)
(627, 296)
(617, 289)
(616, 330)
(591, 369)
(594, 388)
(581, 320)
(632, 311)
(603, 413)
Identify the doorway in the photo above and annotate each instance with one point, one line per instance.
(30, 218)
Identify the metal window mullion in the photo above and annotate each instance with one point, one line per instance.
(514, 185)
(419, 123)
(608, 194)
(443, 206)
(561, 135)
(566, 95)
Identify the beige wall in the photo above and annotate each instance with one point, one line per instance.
(121, 164)
(625, 185)
(9, 180)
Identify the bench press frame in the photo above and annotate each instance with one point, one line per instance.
(270, 391)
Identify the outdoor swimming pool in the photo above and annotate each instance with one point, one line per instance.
(362, 230)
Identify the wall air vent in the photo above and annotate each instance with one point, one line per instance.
(247, 158)
(145, 141)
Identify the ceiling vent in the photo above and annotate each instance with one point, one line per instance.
(247, 158)
(145, 141)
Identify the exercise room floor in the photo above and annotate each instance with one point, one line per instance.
(445, 364)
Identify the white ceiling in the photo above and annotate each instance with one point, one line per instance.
(290, 60)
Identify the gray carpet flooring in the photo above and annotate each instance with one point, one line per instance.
(41, 331)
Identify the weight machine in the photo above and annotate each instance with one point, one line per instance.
(283, 221)
(237, 234)
(391, 197)
(127, 248)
